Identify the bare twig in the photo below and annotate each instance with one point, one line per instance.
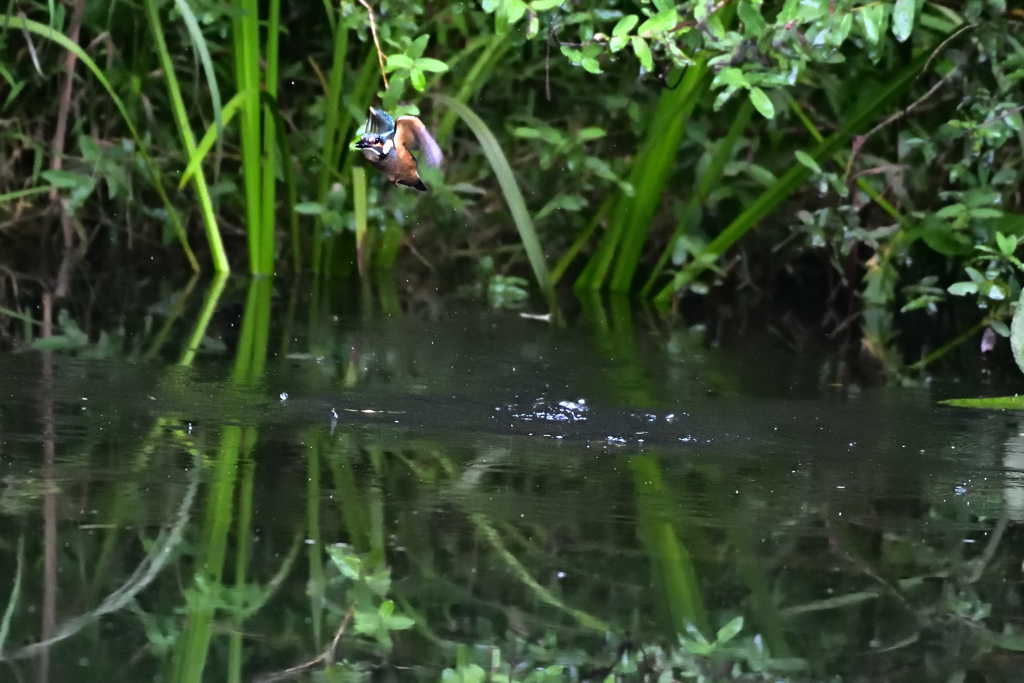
(325, 656)
(943, 44)
(858, 141)
(62, 117)
(1008, 112)
(547, 60)
(144, 573)
(376, 41)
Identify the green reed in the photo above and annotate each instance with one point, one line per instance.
(631, 216)
(513, 196)
(792, 179)
(220, 261)
(246, 36)
(7, 21)
(706, 181)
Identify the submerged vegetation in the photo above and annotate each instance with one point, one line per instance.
(867, 155)
(219, 518)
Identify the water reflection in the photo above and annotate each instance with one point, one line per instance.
(361, 497)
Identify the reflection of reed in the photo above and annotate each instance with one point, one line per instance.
(49, 498)
(143, 575)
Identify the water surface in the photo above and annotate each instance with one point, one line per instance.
(576, 497)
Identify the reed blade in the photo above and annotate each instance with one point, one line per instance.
(797, 174)
(245, 33)
(220, 260)
(199, 42)
(513, 196)
(50, 34)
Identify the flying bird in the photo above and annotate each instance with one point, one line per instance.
(388, 145)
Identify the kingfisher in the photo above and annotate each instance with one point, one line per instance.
(387, 144)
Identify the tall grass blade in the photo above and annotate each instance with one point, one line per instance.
(662, 141)
(581, 240)
(17, 194)
(67, 44)
(333, 95)
(513, 196)
(12, 602)
(220, 259)
(669, 557)
(269, 195)
(317, 584)
(195, 339)
(245, 31)
(285, 148)
(359, 207)
(791, 180)
(330, 14)
(199, 42)
(862, 183)
(494, 49)
(705, 182)
(196, 158)
(670, 113)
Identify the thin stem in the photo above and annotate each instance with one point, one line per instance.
(376, 41)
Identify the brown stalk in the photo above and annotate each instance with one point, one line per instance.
(62, 117)
(376, 41)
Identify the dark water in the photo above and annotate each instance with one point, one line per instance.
(547, 497)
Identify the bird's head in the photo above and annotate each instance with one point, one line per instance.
(375, 143)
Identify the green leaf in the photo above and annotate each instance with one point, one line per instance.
(732, 77)
(418, 80)
(1017, 333)
(533, 28)
(524, 132)
(975, 275)
(514, 10)
(66, 179)
(415, 50)
(872, 17)
(431, 65)
(625, 25)
(591, 133)
(1007, 245)
(54, 343)
(962, 288)
(941, 237)
(993, 403)
(572, 202)
(763, 104)
(643, 53)
(662, 21)
(730, 630)
(574, 55)
(310, 208)
(545, 5)
(396, 62)
(399, 623)
(951, 211)
(983, 212)
(807, 160)
(753, 23)
(903, 19)
(591, 65)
